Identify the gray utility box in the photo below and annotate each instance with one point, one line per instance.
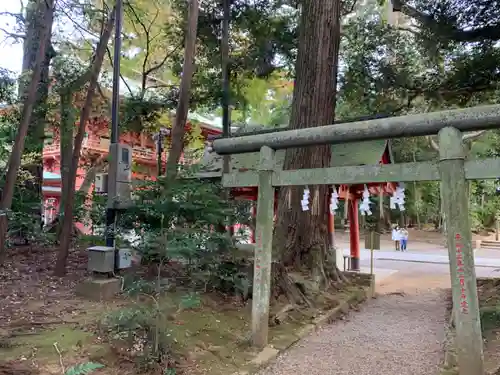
(101, 259)
(120, 176)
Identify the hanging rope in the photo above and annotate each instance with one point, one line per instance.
(398, 198)
(305, 199)
(364, 207)
(334, 200)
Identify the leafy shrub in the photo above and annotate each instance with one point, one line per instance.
(83, 368)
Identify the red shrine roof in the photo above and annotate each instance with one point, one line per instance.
(352, 154)
(343, 155)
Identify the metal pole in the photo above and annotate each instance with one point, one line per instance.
(226, 127)
(226, 130)
(465, 119)
(115, 105)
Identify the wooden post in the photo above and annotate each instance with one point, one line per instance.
(263, 249)
(253, 213)
(469, 341)
(497, 228)
(372, 286)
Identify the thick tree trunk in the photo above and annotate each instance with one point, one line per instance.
(304, 235)
(39, 16)
(18, 148)
(179, 126)
(66, 230)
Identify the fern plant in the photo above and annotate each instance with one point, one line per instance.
(84, 368)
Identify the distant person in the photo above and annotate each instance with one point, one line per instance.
(396, 237)
(404, 238)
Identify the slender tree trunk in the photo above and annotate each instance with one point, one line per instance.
(39, 16)
(66, 142)
(304, 235)
(179, 126)
(18, 148)
(65, 238)
(98, 166)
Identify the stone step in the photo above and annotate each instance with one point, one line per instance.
(490, 244)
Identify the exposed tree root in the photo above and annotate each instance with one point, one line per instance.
(283, 284)
(282, 315)
(302, 289)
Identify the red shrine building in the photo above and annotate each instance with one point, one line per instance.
(342, 155)
(95, 147)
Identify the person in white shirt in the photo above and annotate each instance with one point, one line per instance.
(403, 238)
(396, 237)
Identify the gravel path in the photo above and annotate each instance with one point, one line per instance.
(391, 335)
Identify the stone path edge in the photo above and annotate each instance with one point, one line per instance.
(270, 352)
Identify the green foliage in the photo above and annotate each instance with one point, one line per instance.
(490, 317)
(7, 87)
(83, 368)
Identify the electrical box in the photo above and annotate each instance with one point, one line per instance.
(124, 258)
(101, 259)
(101, 183)
(120, 176)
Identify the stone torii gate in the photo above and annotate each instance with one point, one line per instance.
(451, 169)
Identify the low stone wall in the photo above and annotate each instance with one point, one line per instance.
(363, 279)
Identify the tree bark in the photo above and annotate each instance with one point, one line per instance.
(179, 125)
(305, 234)
(18, 148)
(39, 16)
(66, 142)
(65, 238)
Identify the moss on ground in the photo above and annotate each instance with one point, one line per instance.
(211, 337)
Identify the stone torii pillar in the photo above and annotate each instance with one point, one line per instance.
(468, 340)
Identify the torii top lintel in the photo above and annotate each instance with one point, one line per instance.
(343, 155)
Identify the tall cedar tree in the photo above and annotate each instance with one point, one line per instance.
(303, 236)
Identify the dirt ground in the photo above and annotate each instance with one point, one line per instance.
(45, 327)
(43, 323)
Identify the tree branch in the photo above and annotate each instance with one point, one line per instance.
(163, 61)
(472, 136)
(12, 35)
(465, 138)
(490, 32)
(434, 145)
(108, 51)
(18, 16)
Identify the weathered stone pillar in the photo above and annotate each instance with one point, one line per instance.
(469, 341)
(263, 249)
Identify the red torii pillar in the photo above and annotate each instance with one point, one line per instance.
(354, 232)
